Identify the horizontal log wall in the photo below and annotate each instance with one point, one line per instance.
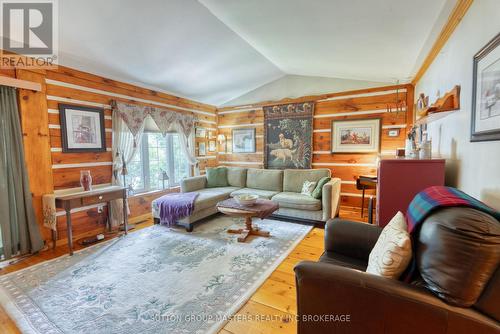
(361, 104)
(69, 86)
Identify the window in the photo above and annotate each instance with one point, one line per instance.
(158, 154)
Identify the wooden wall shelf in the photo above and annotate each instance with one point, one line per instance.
(441, 108)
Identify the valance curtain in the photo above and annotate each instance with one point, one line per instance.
(19, 231)
(128, 128)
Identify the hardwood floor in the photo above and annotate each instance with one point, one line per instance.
(271, 309)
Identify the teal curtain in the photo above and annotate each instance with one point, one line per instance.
(19, 231)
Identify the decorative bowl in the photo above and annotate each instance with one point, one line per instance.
(246, 199)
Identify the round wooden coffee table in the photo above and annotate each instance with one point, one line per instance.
(249, 229)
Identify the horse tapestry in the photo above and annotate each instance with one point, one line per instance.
(288, 136)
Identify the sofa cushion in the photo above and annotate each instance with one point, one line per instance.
(297, 201)
(265, 194)
(216, 177)
(208, 198)
(293, 179)
(237, 177)
(318, 191)
(265, 179)
(223, 190)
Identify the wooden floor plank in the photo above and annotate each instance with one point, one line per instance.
(270, 310)
(279, 295)
(256, 318)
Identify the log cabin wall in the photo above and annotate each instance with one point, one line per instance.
(40, 121)
(359, 104)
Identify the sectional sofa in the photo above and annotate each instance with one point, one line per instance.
(281, 186)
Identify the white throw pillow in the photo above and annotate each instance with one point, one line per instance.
(308, 188)
(392, 252)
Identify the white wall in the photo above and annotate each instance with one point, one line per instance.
(472, 167)
(292, 86)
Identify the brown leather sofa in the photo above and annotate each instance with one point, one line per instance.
(336, 295)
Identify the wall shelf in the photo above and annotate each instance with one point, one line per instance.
(443, 106)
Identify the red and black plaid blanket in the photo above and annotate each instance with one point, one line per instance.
(433, 198)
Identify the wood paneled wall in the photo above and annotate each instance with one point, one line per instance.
(40, 121)
(359, 104)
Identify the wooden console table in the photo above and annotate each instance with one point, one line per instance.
(86, 198)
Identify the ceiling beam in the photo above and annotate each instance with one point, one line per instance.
(456, 16)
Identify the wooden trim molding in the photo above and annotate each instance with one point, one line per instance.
(456, 16)
(23, 84)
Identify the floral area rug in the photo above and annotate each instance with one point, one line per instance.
(156, 280)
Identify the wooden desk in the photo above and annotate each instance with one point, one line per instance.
(86, 198)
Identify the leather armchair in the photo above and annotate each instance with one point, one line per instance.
(336, 295)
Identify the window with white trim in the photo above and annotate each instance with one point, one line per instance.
(158, 156)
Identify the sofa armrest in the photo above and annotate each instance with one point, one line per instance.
(374, 304)
(330, 199)
(193, 183)
(351, 238)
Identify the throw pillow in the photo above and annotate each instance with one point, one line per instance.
(308, 187)
(217, 177)
(318, 191)
(392, 252)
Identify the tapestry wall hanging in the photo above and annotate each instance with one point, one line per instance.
(288, 136)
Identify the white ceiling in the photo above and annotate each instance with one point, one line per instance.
(376, 40)
(176, 46)
(216, 50)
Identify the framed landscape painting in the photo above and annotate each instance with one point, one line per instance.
(357, 136)
(82, 129)
(485, 120)
(243, 140)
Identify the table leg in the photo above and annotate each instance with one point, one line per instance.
(69, 231)
(249, 230)
(108, 225)
(54, 239)
(125, 216)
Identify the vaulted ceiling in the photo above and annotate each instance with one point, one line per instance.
(216, 50)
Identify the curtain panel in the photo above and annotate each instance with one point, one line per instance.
(129, 121)
(19, 231)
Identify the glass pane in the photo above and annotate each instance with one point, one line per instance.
(157, 159)
(135, 176)
(181, 166)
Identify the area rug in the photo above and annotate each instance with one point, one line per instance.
(156, 280)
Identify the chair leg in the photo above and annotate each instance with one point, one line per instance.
(370, 210)
(363, 202)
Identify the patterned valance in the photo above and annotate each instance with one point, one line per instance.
(134, 115)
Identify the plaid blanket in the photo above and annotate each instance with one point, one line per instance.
(432, 198)
(428, 201)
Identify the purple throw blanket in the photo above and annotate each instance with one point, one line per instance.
(175, 206)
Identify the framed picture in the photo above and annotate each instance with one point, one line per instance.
(288, 131)
(485, 120)
(211, 146)
(82, 129)
(357, 136)
(202, 150)
(393, 133)
(243, 140)
(201, 133)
